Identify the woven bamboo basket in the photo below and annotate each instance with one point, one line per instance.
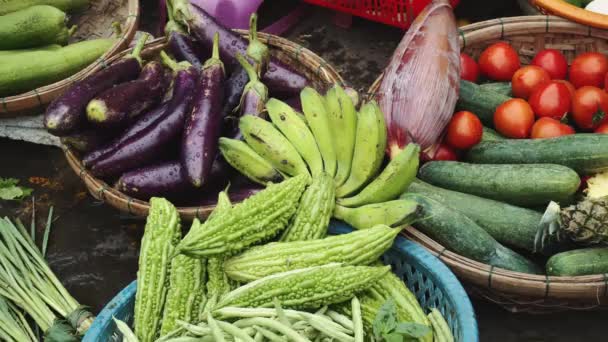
(314, 68)
(94, 22)
(514, 291)
(565, 10)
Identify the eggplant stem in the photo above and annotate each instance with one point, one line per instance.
(253, 27)
(72, 29)
(117, 29)
(139, 46)
(169, 10)
(251, 73)
(216, 46)
(168, 61)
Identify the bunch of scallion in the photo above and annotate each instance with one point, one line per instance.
(27, 281)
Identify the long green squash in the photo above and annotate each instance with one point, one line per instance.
(33, 26)
(161, 235)
(311, 287)
(8, 6)
(315, 210)
(357, 248)
(257, 219)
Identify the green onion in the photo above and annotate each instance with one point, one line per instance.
(14, 327)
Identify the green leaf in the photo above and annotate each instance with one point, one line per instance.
(411, 329)
(10, 191)
(393, 337)
(385, 320)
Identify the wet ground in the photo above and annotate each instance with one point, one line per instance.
(93, 248)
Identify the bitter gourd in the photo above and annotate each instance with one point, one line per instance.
(161, 236)
(311, 287)
(357, 248)
(258, 218)
(186, 293)
(315, 210)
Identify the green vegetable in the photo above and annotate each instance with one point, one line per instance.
(463, 236)
(311, 287)
(257, 219)
(441, 328)
(33, 26)
(525, 185)
(491, 135)
(503, 88)
(357, 248)
(315, 210)
(51, 47)
(9, 6)
(392, 213)
(10, 190)
(481, 102)
(18, 74)
(506, 223)
(579, 262)
(127, 334)
(161, 235)
(585, 153)
(15, 326)
(186, 296)
(387, 327)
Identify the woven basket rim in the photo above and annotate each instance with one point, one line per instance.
(563, 9)
(102, 191)
(581, 288)
(15, 104)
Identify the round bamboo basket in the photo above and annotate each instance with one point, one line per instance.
(94, 22)
(519, 292)
(565, 10)
(314, 68)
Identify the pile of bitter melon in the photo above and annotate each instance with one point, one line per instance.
(229, 279)
(342, 149)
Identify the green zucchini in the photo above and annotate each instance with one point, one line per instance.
(579, 262)
(34, 26)
(8, 6)
(503, 88)
(508, 224)
(524, 185)
(18, 75)
(585, 153)
(491, 135)
(481, 102)
(463, 236)
(50, 47)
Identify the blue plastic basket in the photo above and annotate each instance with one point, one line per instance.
(431, 281)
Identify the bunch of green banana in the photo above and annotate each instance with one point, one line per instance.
(331, 138)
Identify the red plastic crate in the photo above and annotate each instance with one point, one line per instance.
(399, 13)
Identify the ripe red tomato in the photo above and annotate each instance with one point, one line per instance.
(469, 70)
(499, 62)
(589, 69)
(551, 99)
(526, 79)
(464, 131)
(514, 119)
(589, 107)
(602, 129)
(553, 61)
(550, 128)
(445, 152)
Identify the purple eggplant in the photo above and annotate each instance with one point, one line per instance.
(67, 112)
(255, 94)
(181, 45)
(87, 140)
(295, 103)
(144, 147)
(115, 106)
(142, 122)
(204, 123)
(280, 79)
(233, 90)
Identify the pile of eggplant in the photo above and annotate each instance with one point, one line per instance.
(153, 127)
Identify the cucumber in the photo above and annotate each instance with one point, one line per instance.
(503, 88)
(34, 26)
(518, 184)
(508, 224)
(491, 135)
(8, 6)
(481, 102)
(460, 234)
(584, 153)
(579, 262)
(18, 75)
(50, 47)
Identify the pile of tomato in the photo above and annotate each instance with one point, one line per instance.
(550, 98)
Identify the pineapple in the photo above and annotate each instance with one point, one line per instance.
(585, 223)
